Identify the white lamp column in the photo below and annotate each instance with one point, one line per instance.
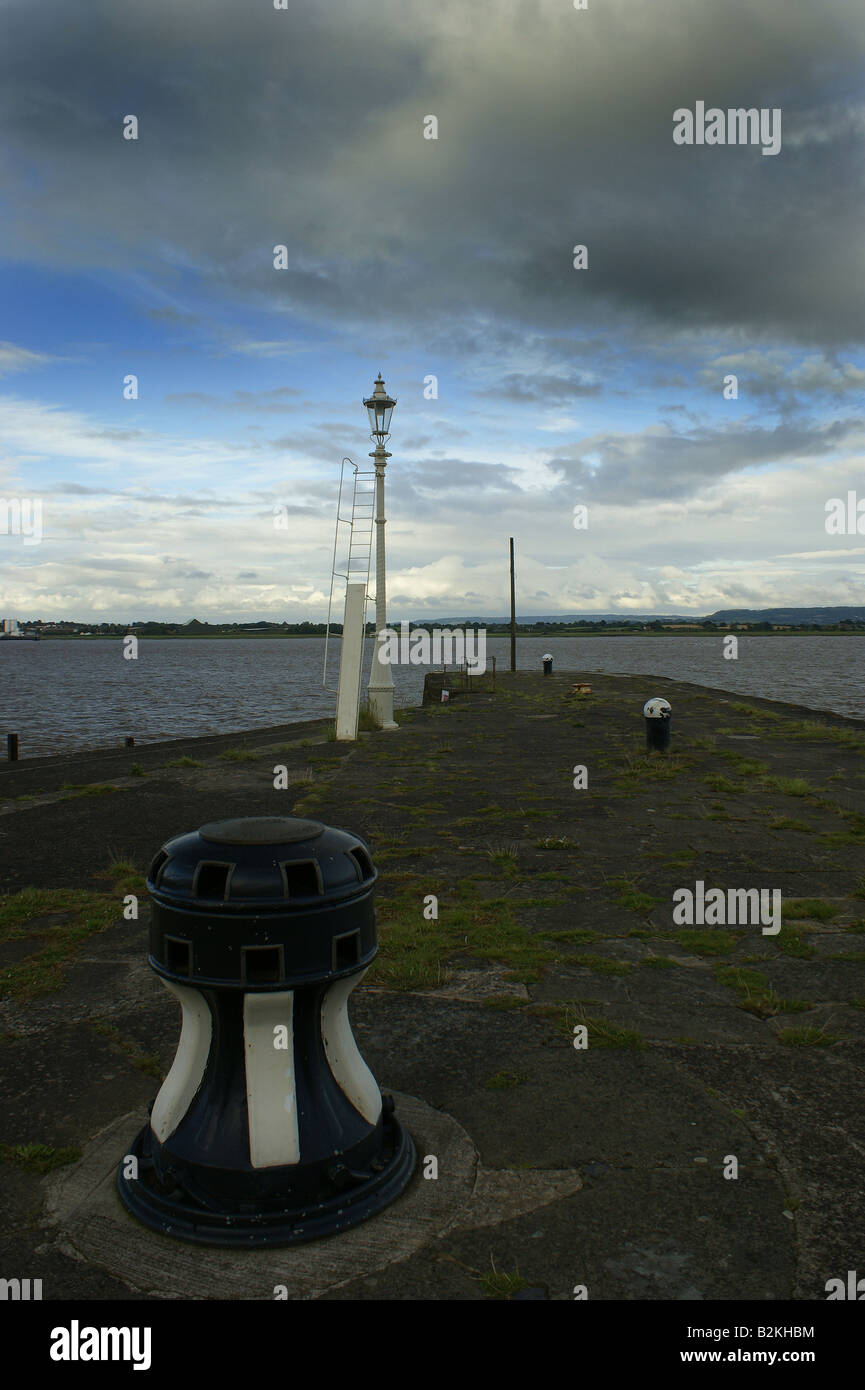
(380, 408)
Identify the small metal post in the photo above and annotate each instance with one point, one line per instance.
(657, 715)
(513, 613)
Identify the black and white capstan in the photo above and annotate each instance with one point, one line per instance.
(269, 1128)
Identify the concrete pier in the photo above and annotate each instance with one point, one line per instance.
(514, 910)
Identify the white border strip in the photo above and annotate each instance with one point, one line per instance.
(271, 1097)
(350, 1071)
(187, 1069)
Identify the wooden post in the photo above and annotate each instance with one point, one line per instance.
(513, 614)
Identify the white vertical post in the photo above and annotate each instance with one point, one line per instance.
(380, 676)
(350, 662)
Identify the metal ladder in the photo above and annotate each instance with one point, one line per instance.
(357, 562)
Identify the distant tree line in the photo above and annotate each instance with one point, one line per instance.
(544, 627)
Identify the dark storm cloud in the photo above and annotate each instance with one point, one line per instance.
(261, 127)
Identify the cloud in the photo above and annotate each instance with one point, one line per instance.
(658, 462)
(384, 227)
(121, 435)
(277, 400)
(444, 477)
(453, 257)
(779, 377)
(546, 389)
(74, 489)
(170, 315)
(20, 359)
(269, 349)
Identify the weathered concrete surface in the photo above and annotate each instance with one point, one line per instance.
(92, 1225)
(471, 803)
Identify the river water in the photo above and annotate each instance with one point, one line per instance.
(80, 693)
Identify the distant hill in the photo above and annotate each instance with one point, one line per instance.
(819, 617)
(564, 618)
(194, 627)
(816, 616)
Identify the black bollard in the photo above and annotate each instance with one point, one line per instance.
(12, 747)
(130, 741)
(657, 714)
(548, 663)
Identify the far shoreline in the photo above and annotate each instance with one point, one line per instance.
(720, 631)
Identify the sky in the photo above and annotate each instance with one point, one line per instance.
(526, 387)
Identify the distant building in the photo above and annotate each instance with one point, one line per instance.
(10, 625)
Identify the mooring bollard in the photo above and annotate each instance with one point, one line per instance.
(12, 747)
(548, 663)
(657, 714)
(130, 741)
(270, 1128)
